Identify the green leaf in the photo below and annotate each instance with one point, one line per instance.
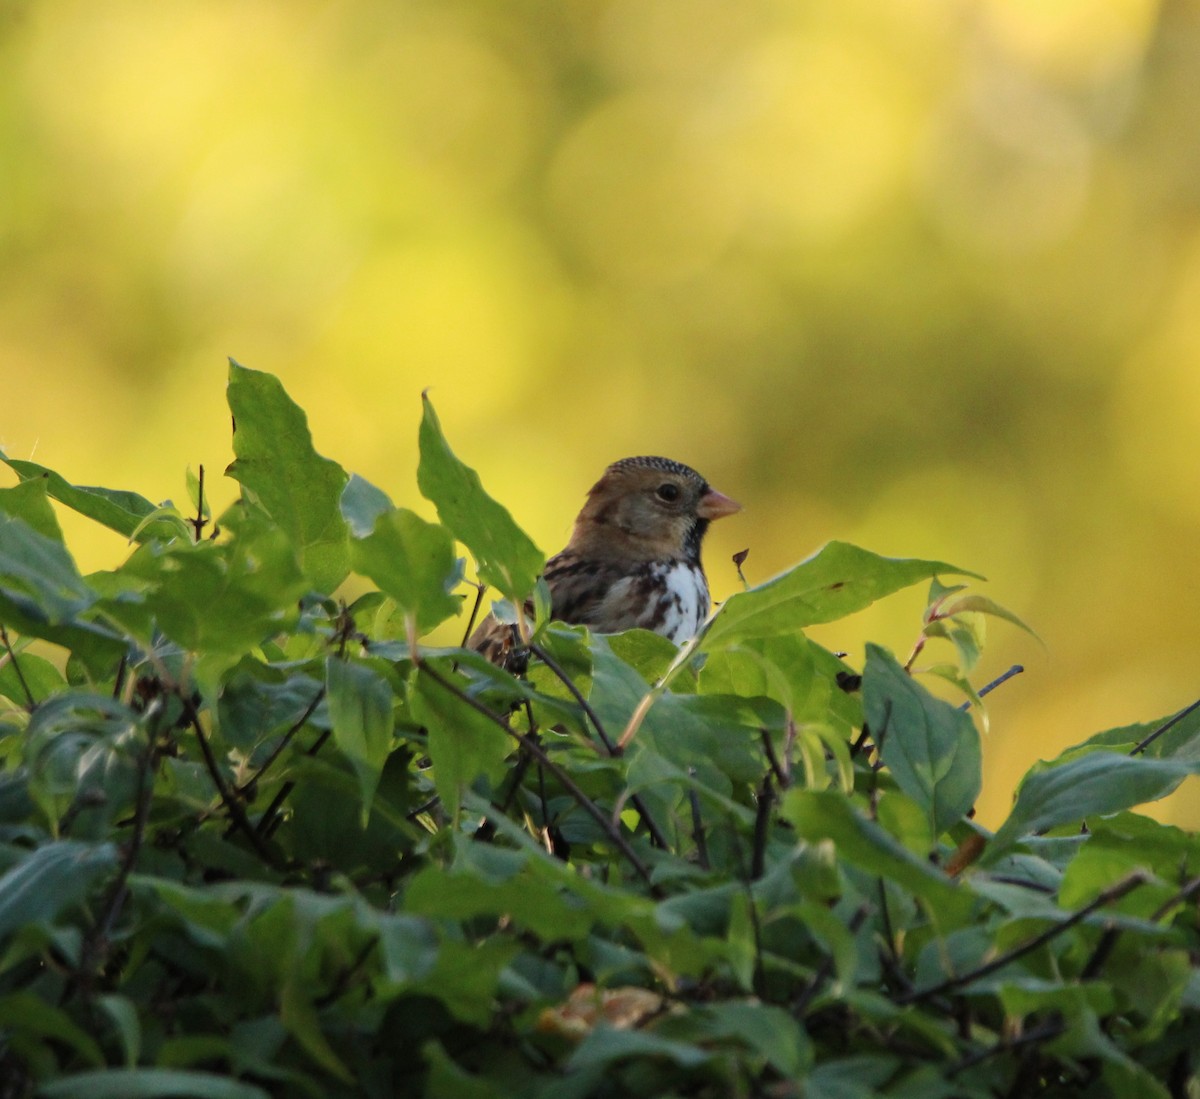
(931, 747)
(277, 464)
(1096, 784)
(41, 677)
(448, 1081)
(123, 512)
(360, 708)
(23, 1013)
(38, 574)
(412, 561)
(149, 1083)
(123, 1013)
(49, 880)
(299, 1015)
(505, 555)
(464, 745)
(222, 598)
(28, 501)
(836, 581)
(850, 1078)
(828, 814)
(606, 1046)
(362, 504)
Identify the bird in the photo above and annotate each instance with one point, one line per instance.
(633, 559)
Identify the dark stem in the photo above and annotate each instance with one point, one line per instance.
(95, 944)
(1143, 745)
(762, 827)
(1016, 669)
(610, 829)
(479, 590)
(1101, 954)
(269, 821)
(341, 983)
(17, 668)
(198, 523)
(781, 776)
(237, 814)
(1051, 1029)
(698, 828)
(577, 694)
(860, 742)
(284, 741)
(1125, 885)
(1189, 890)
(656, 833)
(801, 1004)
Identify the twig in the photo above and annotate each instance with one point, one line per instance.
(12, 656)
(656, 833)
(95, 942)
(270, 818)
(1050, 1029)
(802, 1002)
(341, 983)
(698, 826)
(199, 522)
(577, 694)
(285, 740)
(610, 829)
(1125, 885)
(1101, 954)
(479, 590)
(1144, 744)
(781, 776)
(762, 827)
(1016, 669)
(1185, 894)
(860, 741)
(229, 799)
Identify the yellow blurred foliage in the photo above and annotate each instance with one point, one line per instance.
(913, 273)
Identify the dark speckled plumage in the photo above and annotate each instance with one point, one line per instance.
(633, 558)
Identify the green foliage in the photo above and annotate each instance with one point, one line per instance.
(257, 841)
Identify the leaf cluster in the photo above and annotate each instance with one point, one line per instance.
(256, 840)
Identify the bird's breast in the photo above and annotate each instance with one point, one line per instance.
(682, 600)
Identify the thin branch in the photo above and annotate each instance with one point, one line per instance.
(1050, 1029)
(12, 656)
(698, 827)
(199, 522)
(781, 776)
(1125, 885)
(1016, 669)
(656, 833)
(479, 590)
(1189, 890)
(270, 819)
(802, 1002)
(285, 740)
(860, 742)
(1144, 744)
(577, 694)
(1100, 955)
(762, 827)
(610, 829)
(229, 798)
(114, 900)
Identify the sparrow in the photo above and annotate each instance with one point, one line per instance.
(633, 558)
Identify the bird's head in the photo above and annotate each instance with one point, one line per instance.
(647, 509)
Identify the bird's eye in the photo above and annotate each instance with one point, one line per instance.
(668, 492)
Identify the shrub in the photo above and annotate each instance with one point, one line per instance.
(256, 841)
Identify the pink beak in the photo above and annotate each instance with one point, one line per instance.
(713, 505)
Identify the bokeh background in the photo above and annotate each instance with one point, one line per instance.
(919, 274)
